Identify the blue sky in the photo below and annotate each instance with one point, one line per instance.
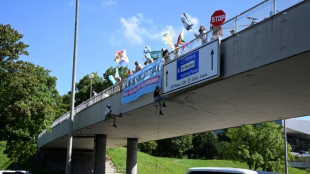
(105, 26)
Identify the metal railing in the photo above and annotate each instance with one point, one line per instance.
(109, 92)
(231, 27)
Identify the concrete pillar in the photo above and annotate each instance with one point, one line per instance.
(131, 162)
(100, 153)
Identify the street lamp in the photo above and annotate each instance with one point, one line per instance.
(91, 76)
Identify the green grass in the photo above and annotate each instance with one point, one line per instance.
(4, 160)
(150, 164)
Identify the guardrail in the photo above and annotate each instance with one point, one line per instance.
(231, 27)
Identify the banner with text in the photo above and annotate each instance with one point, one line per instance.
(142, 82)
(196, 67)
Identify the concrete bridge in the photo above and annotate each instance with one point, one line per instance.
(264, 76)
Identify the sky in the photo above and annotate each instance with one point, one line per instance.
(104, 26)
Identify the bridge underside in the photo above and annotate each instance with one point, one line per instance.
(271, 92)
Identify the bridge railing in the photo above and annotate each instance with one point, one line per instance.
(250, 17)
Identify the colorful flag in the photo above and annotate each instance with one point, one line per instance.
(167, 39)
(121, 57)
(181, 38)
(146, 49)
(185, 22)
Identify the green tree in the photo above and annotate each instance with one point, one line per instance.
(205, 145)
(241, 146)
(177, 147)
(28, 97)
(98, 84)
(148, 147)
(272, 147)
(10, 45)
(83, 88)
(260, 145)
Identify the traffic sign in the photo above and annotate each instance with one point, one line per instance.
(218, 18)
(193, 68)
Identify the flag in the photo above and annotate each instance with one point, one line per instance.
(185, 22)
(181, 38)
(121, 57)
(111, 78)
(167, 39)
(116, 73)
(185, 45)
(146, 49)
(155, 54)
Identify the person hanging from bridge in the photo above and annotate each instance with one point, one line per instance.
(158, 98)
(108, 115)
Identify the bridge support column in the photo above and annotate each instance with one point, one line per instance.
(131, 162)
(100, 153)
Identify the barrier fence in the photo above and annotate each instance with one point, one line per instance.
(250, 17)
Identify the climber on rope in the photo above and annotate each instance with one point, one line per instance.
(158, 98)
(108, 115)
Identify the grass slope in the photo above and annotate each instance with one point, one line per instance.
(150, 164)
(4, 160)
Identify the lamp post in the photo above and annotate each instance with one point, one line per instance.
(91, 76)
(70, 132)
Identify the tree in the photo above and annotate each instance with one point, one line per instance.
(83, 88)
(260, 145)
(272, 147)
(98, 84)
(241, 146)
(205, 145)
(10, 46)
(148, 147)
(177, 147)
(28, 97)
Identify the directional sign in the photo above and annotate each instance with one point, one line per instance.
(193, 68)
(218, 18)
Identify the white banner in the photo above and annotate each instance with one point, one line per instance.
(196, 67)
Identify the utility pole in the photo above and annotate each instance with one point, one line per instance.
(72, 113)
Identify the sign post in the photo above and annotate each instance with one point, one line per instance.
(218, 18)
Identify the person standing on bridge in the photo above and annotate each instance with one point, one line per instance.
(108, 115)
(158, 98)
(202, 34)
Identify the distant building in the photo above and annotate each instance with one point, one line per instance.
(298, 134)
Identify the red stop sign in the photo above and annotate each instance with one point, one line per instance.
(218, 18)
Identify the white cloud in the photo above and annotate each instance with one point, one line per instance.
(108, 2)
(137, 29)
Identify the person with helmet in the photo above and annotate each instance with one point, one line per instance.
(108, 114)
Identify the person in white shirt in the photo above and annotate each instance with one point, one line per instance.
(108, 114)
(202, 34)
(94, 93)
